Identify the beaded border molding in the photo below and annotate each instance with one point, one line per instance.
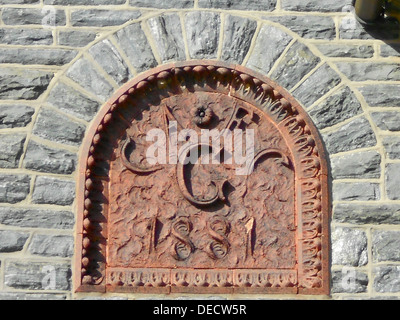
(311, 275)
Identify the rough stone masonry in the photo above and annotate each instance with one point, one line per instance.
(61, 60)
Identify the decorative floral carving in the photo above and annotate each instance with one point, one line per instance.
(173, 227)
(202, 115)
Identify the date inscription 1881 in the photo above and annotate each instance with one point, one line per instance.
(198, 226)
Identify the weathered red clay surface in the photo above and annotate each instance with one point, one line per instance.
(159, 228)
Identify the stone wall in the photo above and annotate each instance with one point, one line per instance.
(62, 59)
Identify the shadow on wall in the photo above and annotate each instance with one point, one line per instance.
(385, 27)
(390, 28)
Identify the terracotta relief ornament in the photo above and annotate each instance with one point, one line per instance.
(200, 227)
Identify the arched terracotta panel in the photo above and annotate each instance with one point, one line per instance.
(174, 227)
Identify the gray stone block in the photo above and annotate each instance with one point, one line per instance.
(336, 108)
(392, 146)
(270, 44)
(107, 298)
(254, 5)
(315, 5)
(14, 188)
(318, 84)
(24, 84)
(133, 42)
(390, 50)
(19, 1)
(12, 241)
(356, 191)
(349, 247)
(350, 28)
(375, 213)
(45, 159)
(108, 57)
(52, 245)
(162, 4)
(388, 120)
(381, 95)
(37, 275)
(297, 62)
(75, 38)
(349, 280)
(167, 33)
(49, 190)
(56, 127)
(73, 102)
(57, 57)
(84, 73)
(380, 297)
(19, 36)
(387, 278)
(356, 134)
(36, 218)
(363, 165)
(344, 51)
(31, 296)
(25, 16)
(392, 179)
(83, 2)
(362, 71)
(11, 146)
(385, 245)
(308, 27)
(238, 34)
(202, 32)
(102, 18)
(15, 116)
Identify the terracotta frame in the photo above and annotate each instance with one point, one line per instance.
(312, 189)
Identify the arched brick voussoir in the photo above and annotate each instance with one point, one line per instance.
(317, 84)
(134, 44)
(238, 35)
(69, 100)
(200, 31)
(167, 34)
(107, 56)
(344, 125)
(265, 47)
(294, 65)
(56, 127)
(336, 108)
(202, 34)
(269, 45)
(287, 59)
(84, 73)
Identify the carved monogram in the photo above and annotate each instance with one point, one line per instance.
(202, 227)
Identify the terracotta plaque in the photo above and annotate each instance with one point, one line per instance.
(202, 177)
